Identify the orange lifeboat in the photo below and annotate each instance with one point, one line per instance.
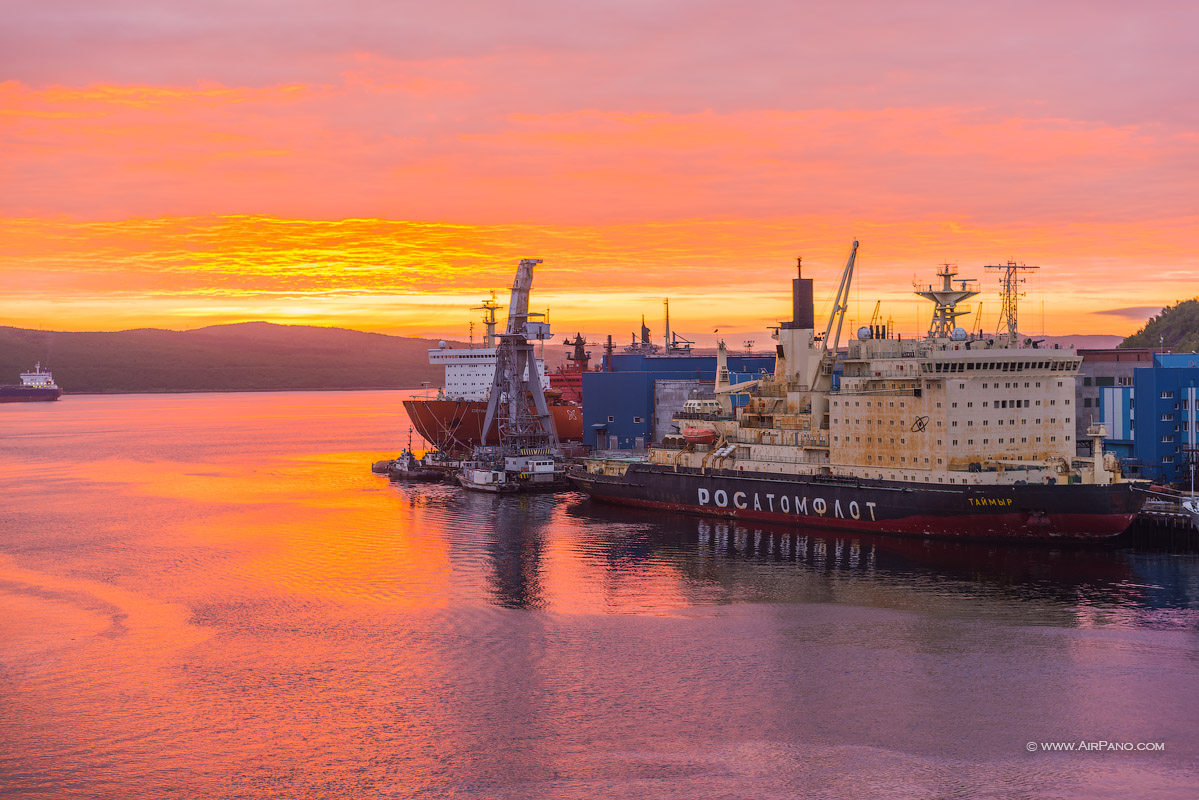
(699, 435)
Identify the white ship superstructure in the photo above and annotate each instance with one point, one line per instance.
(949, 408)
(470, 371)
(38, 378)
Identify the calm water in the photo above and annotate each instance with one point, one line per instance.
(210, 596)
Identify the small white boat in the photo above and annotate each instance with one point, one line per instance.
(1191, 507)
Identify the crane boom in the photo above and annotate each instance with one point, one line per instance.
(842, 302)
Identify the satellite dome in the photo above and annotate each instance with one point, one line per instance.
(441, 344)
(863, 333)
(960, 335)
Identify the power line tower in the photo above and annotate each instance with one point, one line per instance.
(1008, 293)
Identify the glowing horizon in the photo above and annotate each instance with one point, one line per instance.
(173, 171)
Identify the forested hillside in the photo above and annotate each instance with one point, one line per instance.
(1176, 327)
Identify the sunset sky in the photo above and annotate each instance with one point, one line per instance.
(383, 165)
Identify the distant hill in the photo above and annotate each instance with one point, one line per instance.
(1083, 341)
(1177, 328)
(251, 356)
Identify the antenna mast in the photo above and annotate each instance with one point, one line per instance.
(488, 307)
(1009, 294)
(946, 299)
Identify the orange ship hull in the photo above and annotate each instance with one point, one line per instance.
(456, 425)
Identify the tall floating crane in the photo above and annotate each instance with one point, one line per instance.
(516, 379)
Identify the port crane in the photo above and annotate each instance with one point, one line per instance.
(516, 379)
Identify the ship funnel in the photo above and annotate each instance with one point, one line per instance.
(803, 311)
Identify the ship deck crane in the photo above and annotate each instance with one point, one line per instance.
(840, 305)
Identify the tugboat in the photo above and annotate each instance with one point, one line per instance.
(406, 466)
(35, 386)
(952, 435)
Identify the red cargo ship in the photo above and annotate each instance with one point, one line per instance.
(453, 421)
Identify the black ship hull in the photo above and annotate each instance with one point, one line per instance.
(28, 394)
(1027, 511)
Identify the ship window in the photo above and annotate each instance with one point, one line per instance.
(611, 419)
(637, 420)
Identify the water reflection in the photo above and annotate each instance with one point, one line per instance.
(196, 593)
(515, 541)
(568, 553)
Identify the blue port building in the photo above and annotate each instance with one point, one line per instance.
(621, 400)
(1152, 424)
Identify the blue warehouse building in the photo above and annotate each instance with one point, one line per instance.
(619, 405)
(1165, 411)
(1154, 420)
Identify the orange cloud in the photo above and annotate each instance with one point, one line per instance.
(421, 278)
